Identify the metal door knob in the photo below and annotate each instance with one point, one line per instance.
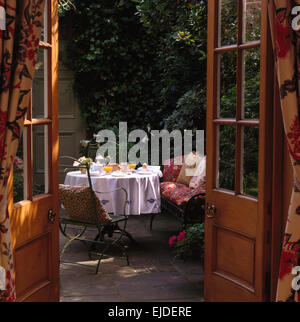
(211, 211)
(51, 216)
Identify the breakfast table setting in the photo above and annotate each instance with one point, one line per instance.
(142, 185)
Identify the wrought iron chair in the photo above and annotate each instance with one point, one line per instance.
(84, 210)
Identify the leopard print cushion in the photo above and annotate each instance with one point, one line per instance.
(79, 205)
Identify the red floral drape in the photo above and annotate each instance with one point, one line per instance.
(286, 43)
(18, 52)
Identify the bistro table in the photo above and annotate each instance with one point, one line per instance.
(142, 187)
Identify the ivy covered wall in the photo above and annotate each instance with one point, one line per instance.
(138, 61)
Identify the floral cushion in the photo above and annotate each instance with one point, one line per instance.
(178, 193)
(79, 204)
(171, 170)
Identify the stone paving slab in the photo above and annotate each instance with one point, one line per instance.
(156, 286)
(153, 274)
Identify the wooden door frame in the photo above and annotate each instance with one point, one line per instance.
(277, 190)
(20, 210)
(279, 196)
(265, 140)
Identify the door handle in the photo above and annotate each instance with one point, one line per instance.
(211, 211)
(51, 216)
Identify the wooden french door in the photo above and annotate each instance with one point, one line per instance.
(238, 150)
(33, 197)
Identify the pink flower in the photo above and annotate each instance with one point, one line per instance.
(172, 240)
(181, 236)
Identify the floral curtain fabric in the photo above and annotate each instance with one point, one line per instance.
(19, 44)
(286, 43)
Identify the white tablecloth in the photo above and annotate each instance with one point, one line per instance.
(143, 191)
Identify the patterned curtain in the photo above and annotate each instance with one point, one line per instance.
(286, 43)
(19, 44)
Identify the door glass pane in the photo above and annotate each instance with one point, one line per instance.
(228, 22)
(40, 160)
(227, 85)
(252, 18)
(45, 25)
(19, 171)
(40, 86)
(250, 161)
(226, 157)
(251, 83)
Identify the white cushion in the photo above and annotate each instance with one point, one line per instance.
(199, 179)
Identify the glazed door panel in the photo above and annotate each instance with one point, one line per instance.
(238, 174)
(34, 185)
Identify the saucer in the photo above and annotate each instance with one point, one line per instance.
(118, 174)
(94, 173)
(145, 172)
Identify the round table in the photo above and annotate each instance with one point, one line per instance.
(143, 190)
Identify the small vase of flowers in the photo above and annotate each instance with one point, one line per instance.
(82, 163)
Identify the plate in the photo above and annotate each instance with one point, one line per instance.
(154, 167)
(118, 174)
(145, 172)
(94, 173)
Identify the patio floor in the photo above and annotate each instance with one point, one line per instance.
(153, 274)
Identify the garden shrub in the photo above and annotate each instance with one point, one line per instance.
(144, 62)
(128, 68)
(190, 111)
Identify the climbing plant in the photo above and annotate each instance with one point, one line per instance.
(130, 68)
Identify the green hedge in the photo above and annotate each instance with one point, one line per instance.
(131, 68)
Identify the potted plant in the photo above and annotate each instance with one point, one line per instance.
(189, 243)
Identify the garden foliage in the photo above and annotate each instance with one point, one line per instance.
(189, 243)
(134, 60)
(144, 62)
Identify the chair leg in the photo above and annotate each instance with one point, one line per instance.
(100, 236)
(126, 233)
(105, 250)
(101, 256)
(123, 249)
(67, 244)
(151, 220)
(71, 238)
